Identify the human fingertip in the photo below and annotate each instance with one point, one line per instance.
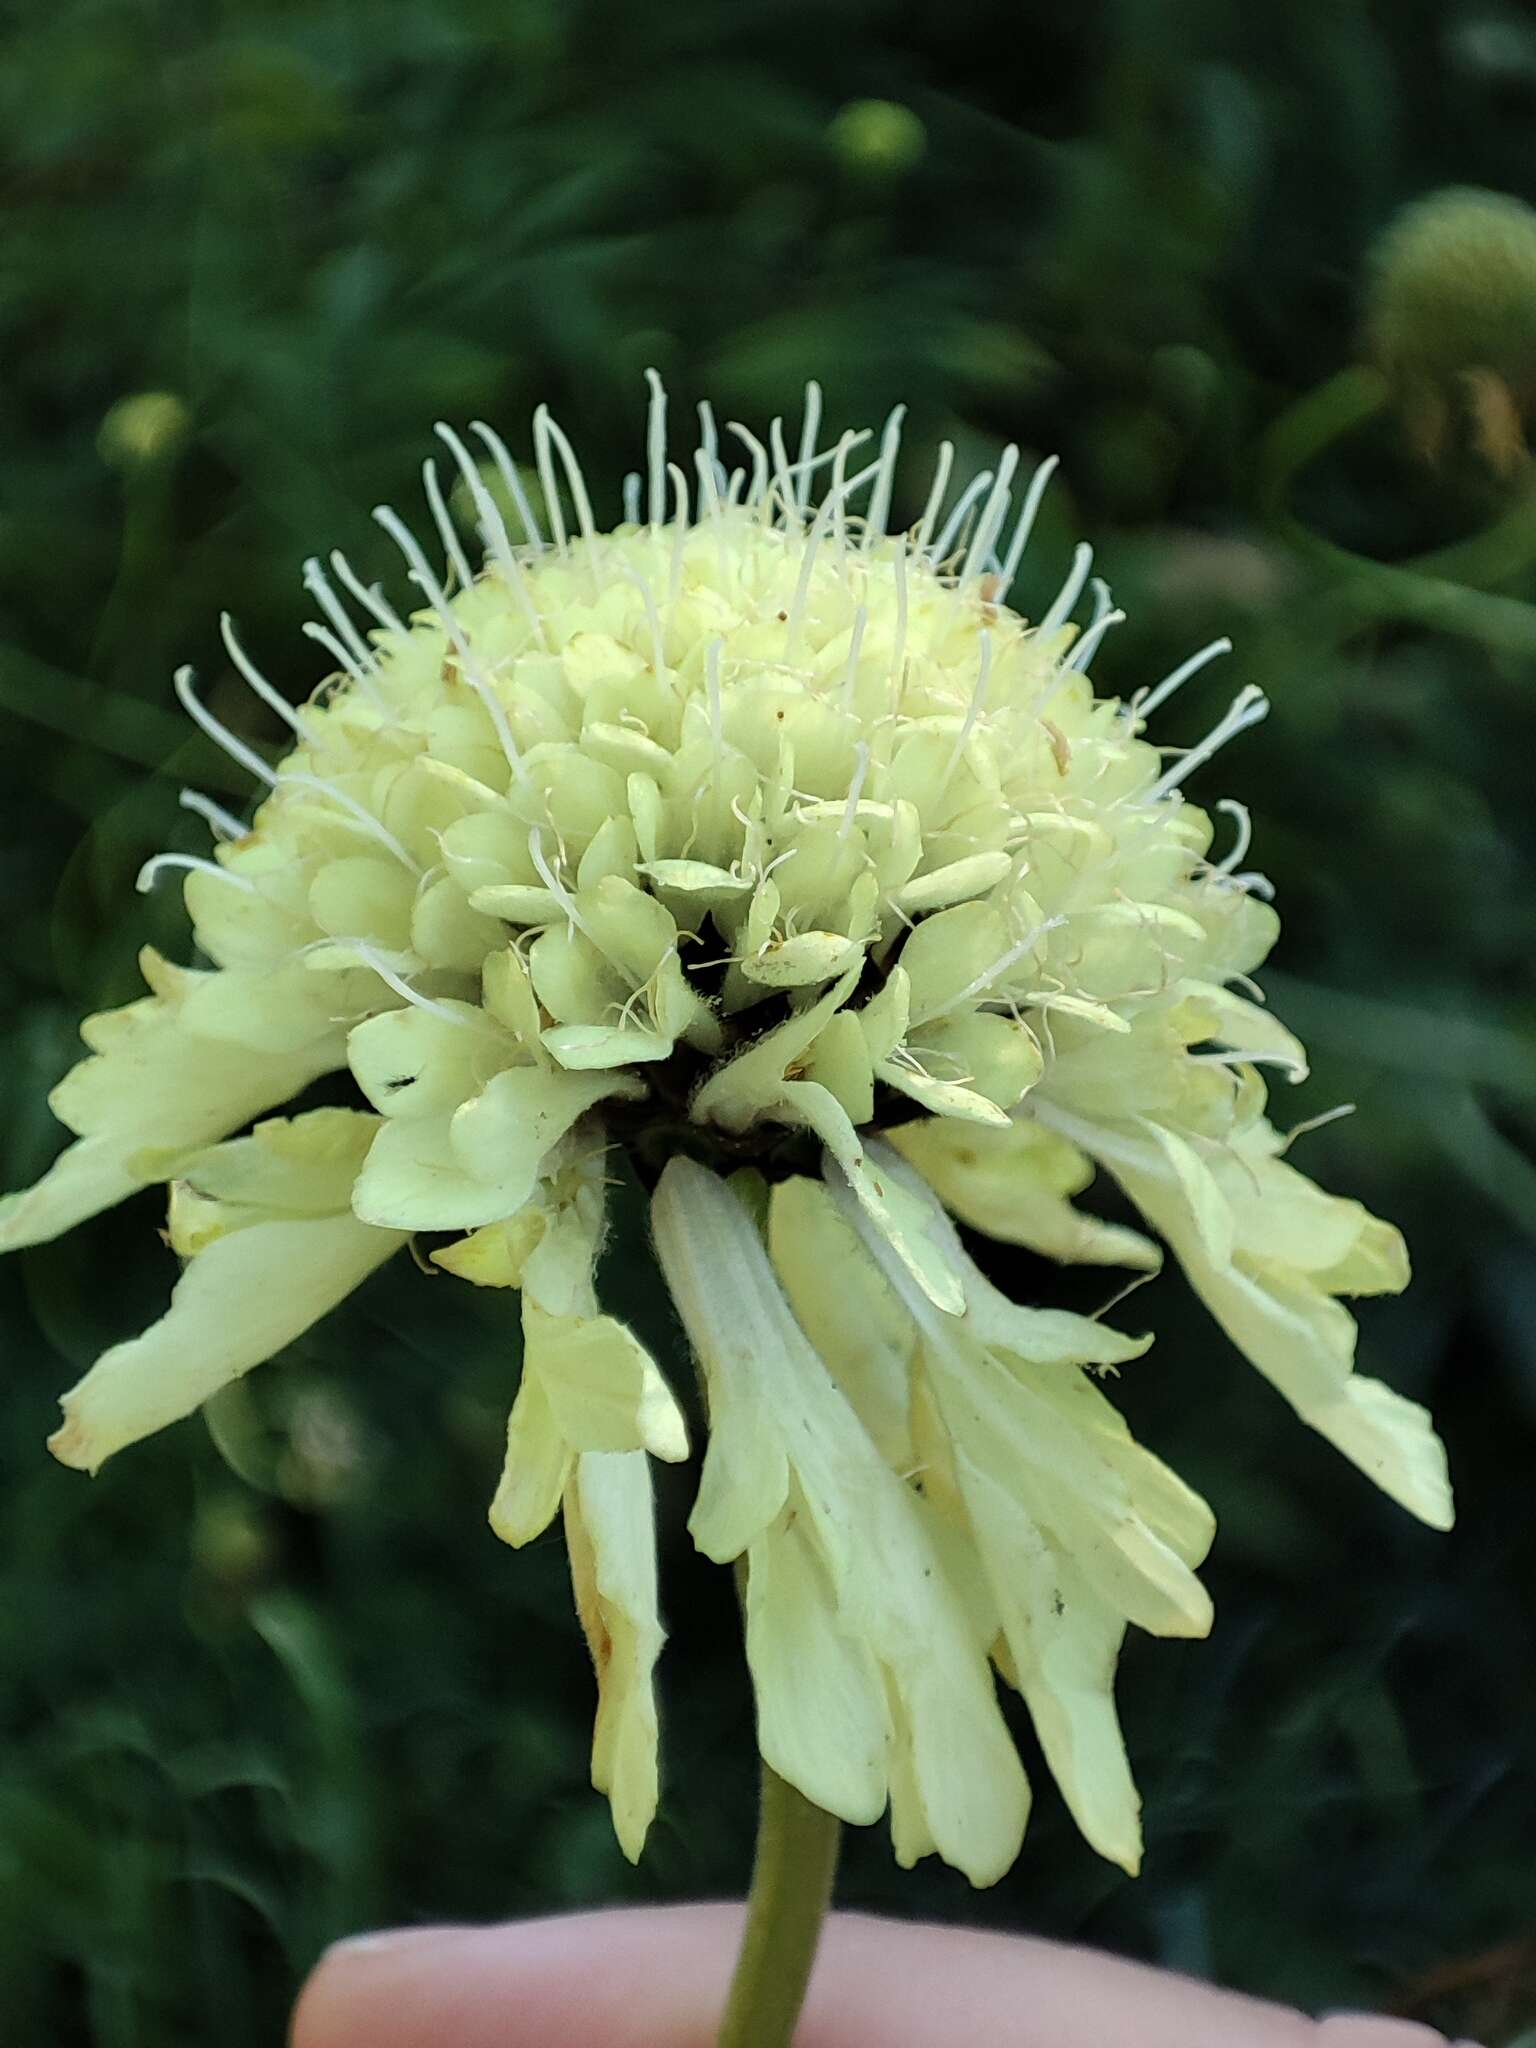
(347, 1973)
(1369, 2030)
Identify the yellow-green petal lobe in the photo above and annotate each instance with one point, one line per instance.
(237, 1304)
(884, 1580)
(610, 1535)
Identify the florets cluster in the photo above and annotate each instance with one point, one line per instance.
(750, 835)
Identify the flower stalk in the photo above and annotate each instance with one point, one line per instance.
(792, 1877)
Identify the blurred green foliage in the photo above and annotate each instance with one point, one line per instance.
(254, 1700)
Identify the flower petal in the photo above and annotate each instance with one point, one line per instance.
(149, 1093)
(887, 1583)
(1014, 1185)
(237, 1304)
(610, 1535)
(1281, 1315)
(481, 1164)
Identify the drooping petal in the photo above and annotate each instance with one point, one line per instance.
(588, 1383)
(1016, 1185)
(885, 1582)
(1074, 1529)
(610, 1534)
(1280, 1311)
(149, 1093)
(822, 1722)
(238, 1303)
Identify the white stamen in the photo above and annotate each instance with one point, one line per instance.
(273, 699)
(993, 514)
(316, 582)
(785, 479)
(1239, 812)
(656, 449)
(632, 497)
(313, 630)
(380, 965)
(885, 476)
(546, 468)
(493, 528)
(1249, 707)
(658, 653)
(989, 976)
(158, 863)
(856, 641)
(976, 706)
(555, 886)
(808, 431)
(369, 595)
(547, 432)
(1026, 523)
(855, 789)
(1089, 643)
(452, 546)
(224, 823)
(712, 692)
(683, 525)
(949, 534)
(1061, 605)
(709, 442)
(830, 510)
(708, 472)
(425, 581)
(936, 492)
(501, 455)
(220, 734)
(1181, 675)
(1314, 1123)
(370, 824)
(899, 646)
(1235, 1057)
(757, 493)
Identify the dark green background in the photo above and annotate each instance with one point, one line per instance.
(249, 1703)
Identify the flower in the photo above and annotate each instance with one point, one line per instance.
(1450, 320)
(774, 854)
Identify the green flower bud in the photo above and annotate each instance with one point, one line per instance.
(143, 429)
(1450, 320)
(878, 138)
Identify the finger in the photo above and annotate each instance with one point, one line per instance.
(657, 1978)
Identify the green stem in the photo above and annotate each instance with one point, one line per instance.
(791, 1890)
(1439, 590)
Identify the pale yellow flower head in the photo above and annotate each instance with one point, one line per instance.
(773, 851)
